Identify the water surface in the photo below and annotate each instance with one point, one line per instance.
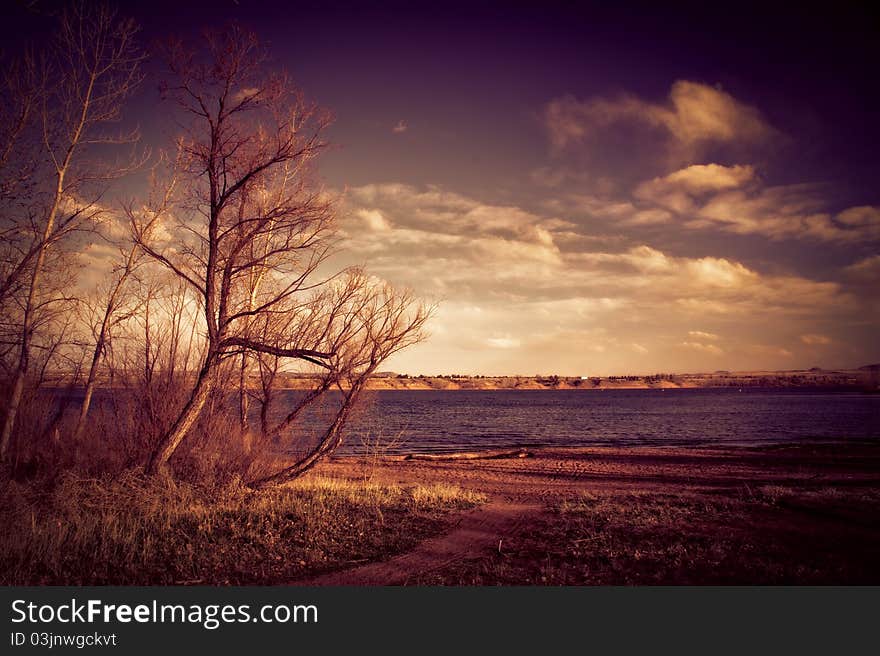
(442, 421)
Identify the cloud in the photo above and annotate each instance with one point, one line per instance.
(711, 349)
(700, 178)
(650, 216)
(400, 127)
(449, 244)
(621, 212)
(431, 210)
(864, 216)
(768, 350)
(374, 220)
(686, 161)
(692, 116)
(816, 340)
(865, 270)
(731, 199)
(517, 286)
(789, 211)
(679, 190)
(503, 342)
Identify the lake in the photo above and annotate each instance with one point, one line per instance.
(443, 421)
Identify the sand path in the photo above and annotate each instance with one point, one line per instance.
(476, 530)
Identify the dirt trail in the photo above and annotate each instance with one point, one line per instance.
(477, 530)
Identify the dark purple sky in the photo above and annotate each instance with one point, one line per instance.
(594, 189)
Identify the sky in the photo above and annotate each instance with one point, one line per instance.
(593, 190)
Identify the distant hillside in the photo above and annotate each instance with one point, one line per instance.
(845, 379)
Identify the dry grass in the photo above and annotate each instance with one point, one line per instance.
(770, 535)
(76, 511)
(130, 530)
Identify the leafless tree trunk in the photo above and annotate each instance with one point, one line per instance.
(108, 317)
(243, 398)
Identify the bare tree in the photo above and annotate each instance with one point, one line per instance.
(254, 229)
(106, 313)
(115, 305)
(92, 67)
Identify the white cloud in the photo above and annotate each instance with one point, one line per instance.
(374, 220)
(700, 178)
(712, 349)
(449, 244)
(503, 342)
(691, 123)
(732, 198)
(651, 216)
(693, 115)
(515, 285)
(814, 339)
(400, 127)
(679, 190)
(785, 212)
(721, 272)
(435, 211)
(790, 211)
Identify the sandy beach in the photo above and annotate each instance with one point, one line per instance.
(799, 514)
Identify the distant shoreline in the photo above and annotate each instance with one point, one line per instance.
(844, 379)
(865, 379)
